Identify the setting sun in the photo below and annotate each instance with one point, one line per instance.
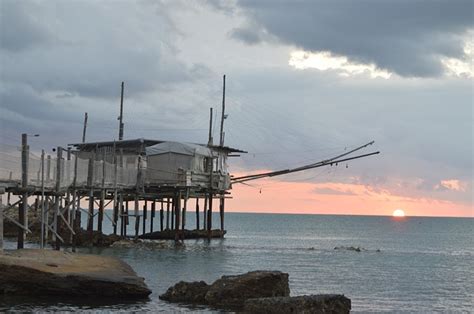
(398, 213)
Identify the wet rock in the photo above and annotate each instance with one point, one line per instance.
(350, 248)
(140, 244)
(47, 272)
(95, 238)
(183, 234)
(187, 292)
(232, 291)
(323, 303)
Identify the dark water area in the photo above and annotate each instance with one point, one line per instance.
(424, 264)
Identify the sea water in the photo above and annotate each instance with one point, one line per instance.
(423, 264)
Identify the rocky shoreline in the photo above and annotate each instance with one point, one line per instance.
(254, 292)
(37, 272)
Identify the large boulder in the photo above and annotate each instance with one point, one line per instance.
(47, 272)
(323, 303)
(187, 292)
(232, 291)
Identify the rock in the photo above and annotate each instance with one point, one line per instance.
(187, 292)
(140, 244)
(350, 248)
(322, 303)
(186, 234)
(232, 291)
(47, 272)
(98, 239)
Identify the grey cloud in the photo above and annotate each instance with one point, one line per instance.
(405, 37)
(19, 29)
(247, 35)
(90, 59)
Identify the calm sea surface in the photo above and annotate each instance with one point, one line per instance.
(424, 264)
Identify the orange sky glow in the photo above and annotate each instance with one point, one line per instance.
(335, 198)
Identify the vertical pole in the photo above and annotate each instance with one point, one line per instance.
(209, 216)
(68, 191)
(43, 222)
(48, 168)
(116, 203)
(58, 198)
(173, 201)
(120, 210)
(2, 191)
(100, 218)
(204, 213)
(90, 183)
(167, 213)
(145, 216)
(47, 206)
(221, 211)
(84, 129)
(75, 207)
(121, 115)
(77, 220)
(210, 140)
(22, 210)
(161, 216)
(221, 143)
(137, 217)
(183, 218)
(126, 219)
(152, 216)
(197, 213)
(177, 211)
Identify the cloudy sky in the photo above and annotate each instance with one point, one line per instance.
(305, 80)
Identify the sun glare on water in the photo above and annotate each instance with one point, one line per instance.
(398, 213)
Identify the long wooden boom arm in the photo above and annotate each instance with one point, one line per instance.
(306, 167)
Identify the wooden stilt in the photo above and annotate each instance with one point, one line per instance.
(173, 204)
(204, 213)
(167, 214)
(161, 216)
(152, 216)
(221, 212)
(115, 216)
(137, 217)
(209, 216)
(100, 217)
(90, 218)
(197, 213)
(57, 223)
(177, 215)
(126, 220)
(145, 213)
(183, 219)
(21, 220)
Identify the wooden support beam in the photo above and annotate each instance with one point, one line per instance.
(152, 215)
(2, 191)
(161, 216)
(183, 219)
(204, 213)
(173, 204)
(221, 212)
(209, 216)
(177, 212)
(137, 217)
(167, 214)
(100, 217)
(145, 214)
(22, 210)
(197, 213)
